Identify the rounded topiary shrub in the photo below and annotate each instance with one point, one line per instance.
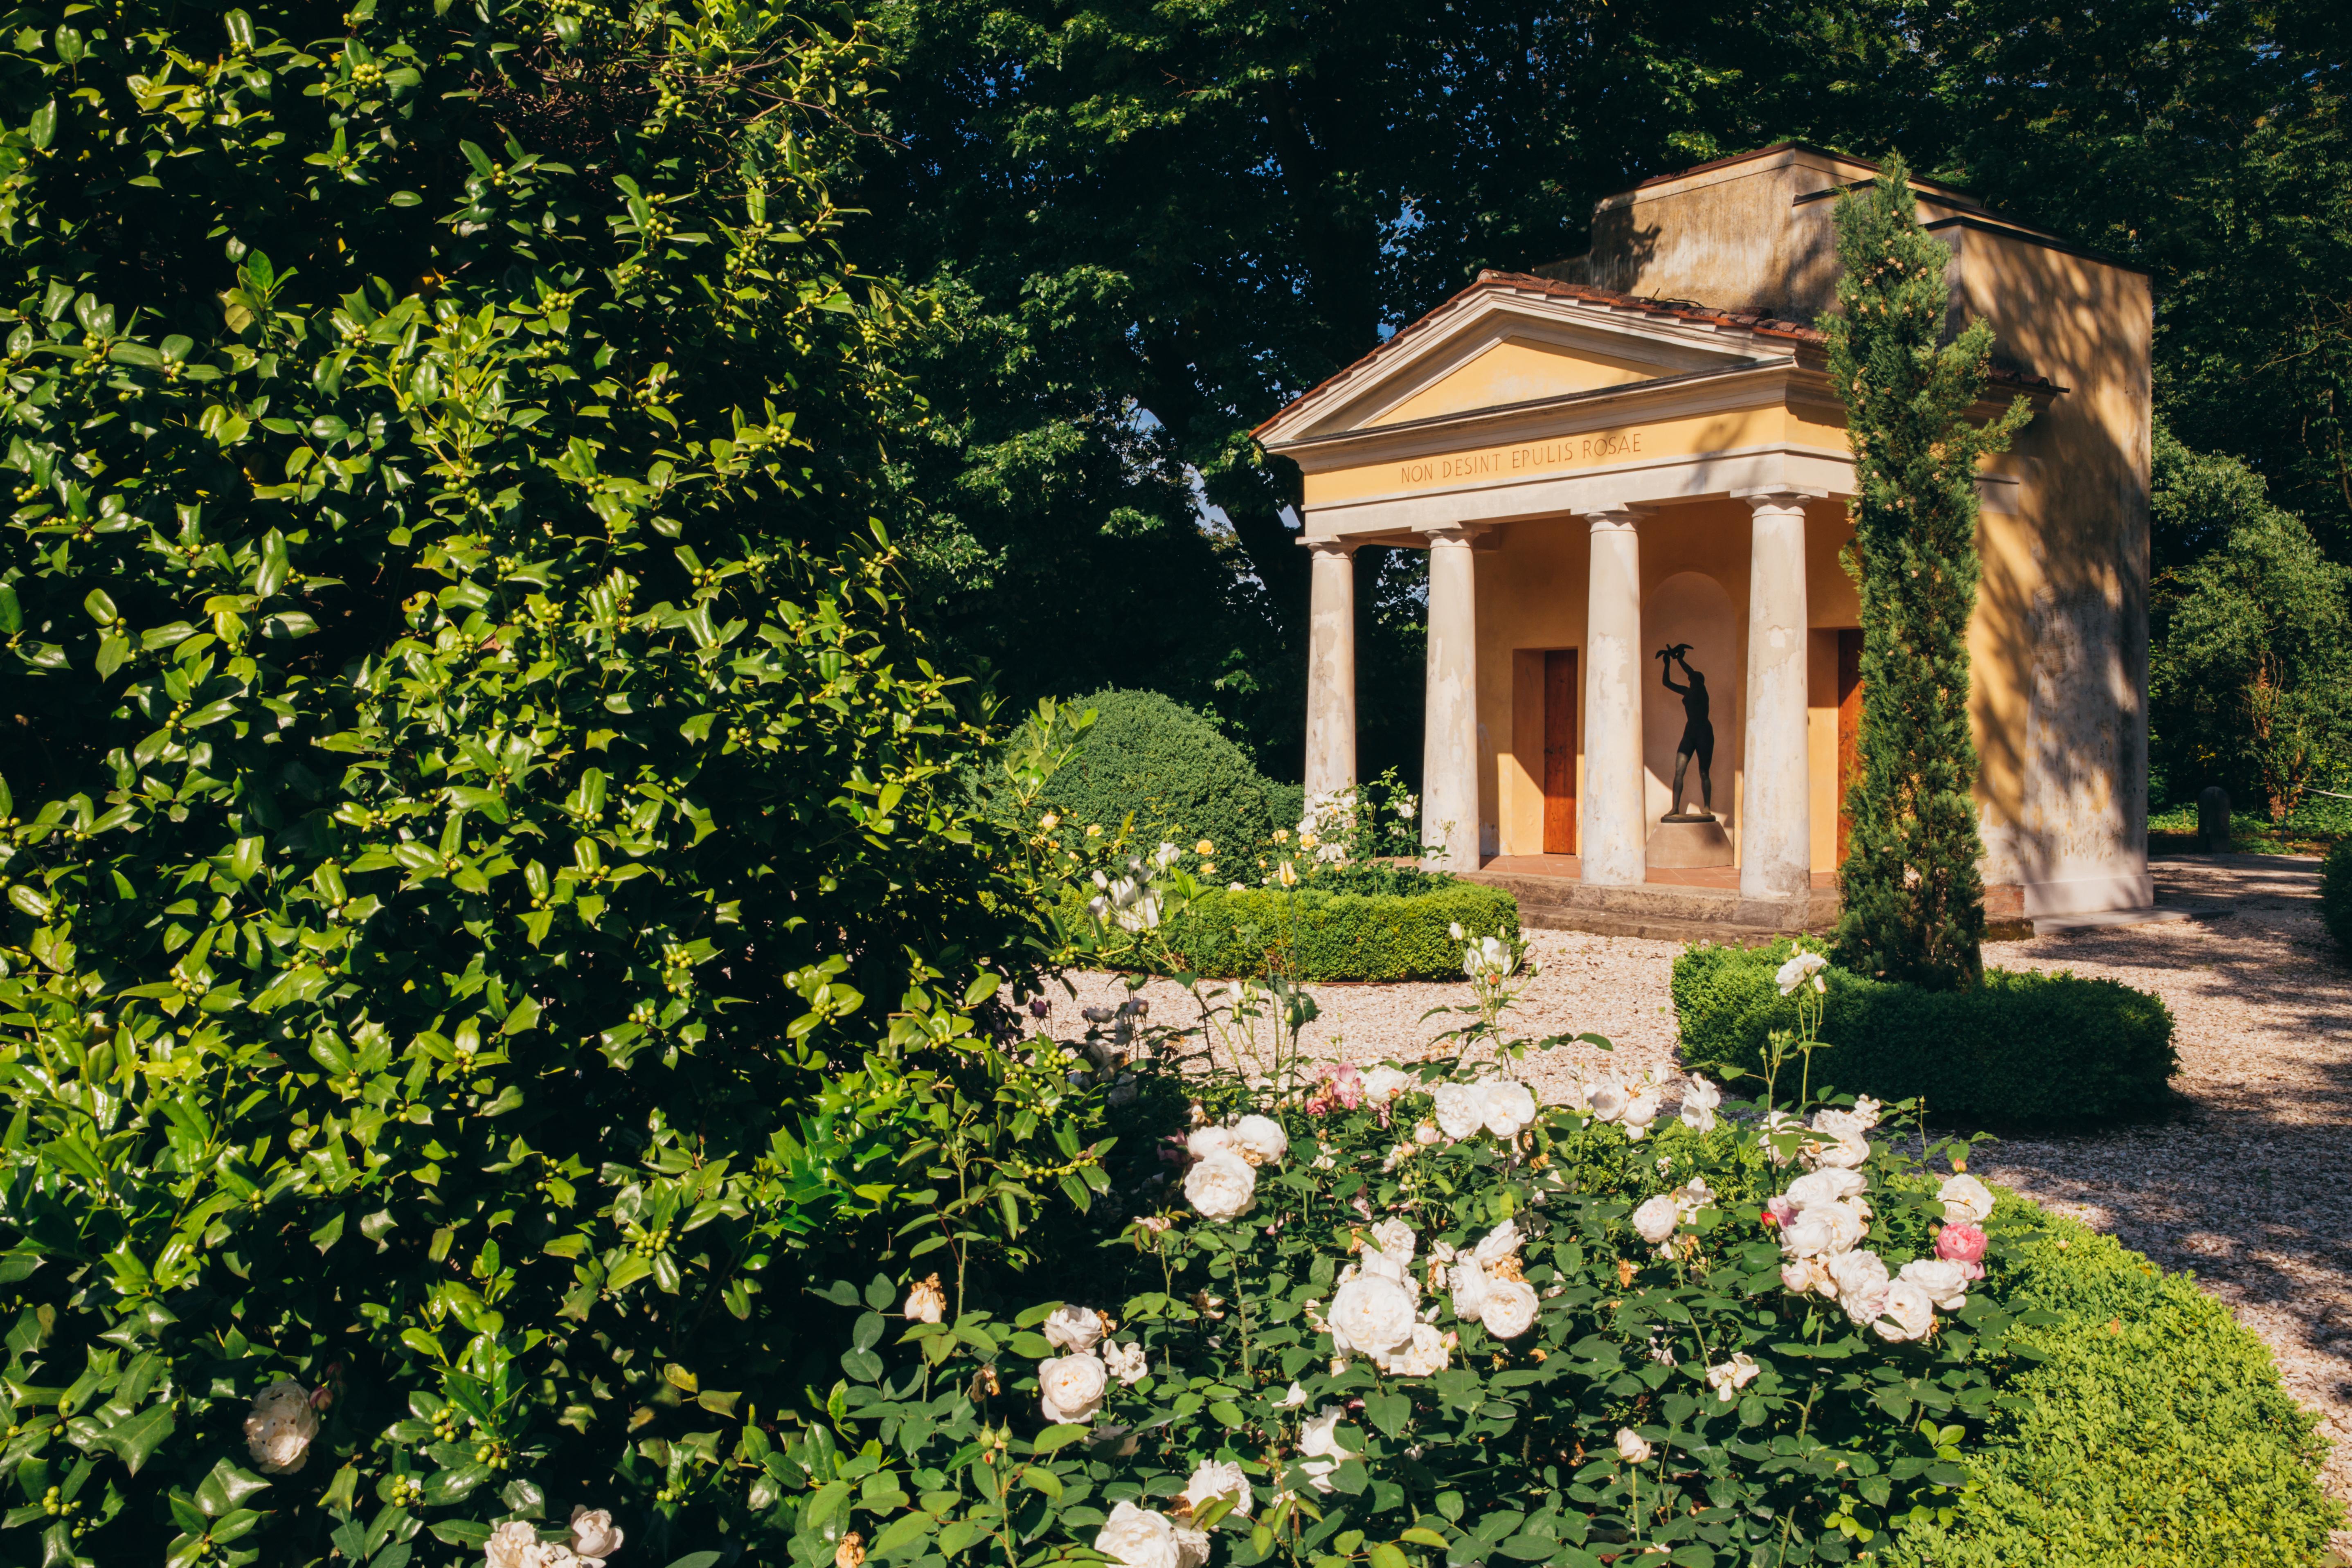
(2335, 895)
(2020, 1047)
(1340, 926)
(1179, 776)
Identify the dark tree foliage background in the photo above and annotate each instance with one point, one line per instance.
(1153, 225)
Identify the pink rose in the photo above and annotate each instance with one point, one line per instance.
(1341, 1086)
(1780, 1211)
(1963, 1244)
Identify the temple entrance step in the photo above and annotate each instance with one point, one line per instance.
(1660, 912)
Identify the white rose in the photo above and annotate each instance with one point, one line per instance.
(1216, 1478)
(1866, 1113)
(1498, 1243)
(1609, 1100)
(1732, 1375)
(1426, 1133)
(1510, 1308)
(1861, 1280)
(1192, 1547)
(1318, 1447)
(1126, 1363)
(1222, 1187)
(1424, 1356)
(1826, 1187)
(1912, 1314)
(1260, 1140)
(1840, 1124)
(1071, 1388)
(1138, 1537)
(594, 1537)
(1699, 1099)
(1295, 1398)
(1845, 1154)
(1944, 1282)
(1395, 1238)
(1806, 1277)
(514, 1544)
(1775, 1123)
(1631, 1447)
(1373, 1314)
(1691, 1197)
(1508, 1106)
(1640, 1111)
(1207, 1140)
(278, 1431)
(1798, 970)
(1459, 1111)
(1384, 1083)
(1074, 1328)
(1810, 1235)
(1966, 1201)
(1469, 1281)
(1655, 1220)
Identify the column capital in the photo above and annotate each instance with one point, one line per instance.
(1780, 497)
(1452, 534)
(1616, 519)
(1340, 547)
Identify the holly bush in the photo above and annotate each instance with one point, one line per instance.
(488, 908)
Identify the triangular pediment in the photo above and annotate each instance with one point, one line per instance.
(1508, 343)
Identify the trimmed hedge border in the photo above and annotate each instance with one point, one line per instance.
(2335, 895)
(1226, 935)
(2021, 1047)
(2153, 1432)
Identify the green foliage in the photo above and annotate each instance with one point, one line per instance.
(1323, 929)
(2146, 1428)
(1913, 901)
(476, 794)
(1487, 1440)
(1151, 758)
(2021, 1048)
(2335, 895)
(2249, 668)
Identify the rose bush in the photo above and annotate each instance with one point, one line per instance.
(1405, 1315)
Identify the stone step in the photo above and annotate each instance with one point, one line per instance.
(1657, 911)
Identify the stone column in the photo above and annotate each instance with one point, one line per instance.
(1331, 668)
(1449, 747)
(1613, 835)
(1775, 835)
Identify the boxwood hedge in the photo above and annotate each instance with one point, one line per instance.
(1309, 933)
(2335, 895)
(2023, 1047)
(2151, 1433)
(1179, 776)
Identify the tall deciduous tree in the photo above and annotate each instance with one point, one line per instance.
(1914, 901)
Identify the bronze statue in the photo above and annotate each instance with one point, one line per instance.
(1699, 734)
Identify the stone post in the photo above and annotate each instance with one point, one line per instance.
(1776, 832)
(1613, 835)
(1331, 668)
(1449, 748)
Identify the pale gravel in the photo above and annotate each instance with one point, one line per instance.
(2249, 1185)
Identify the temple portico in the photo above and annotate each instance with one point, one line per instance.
(1634, 509)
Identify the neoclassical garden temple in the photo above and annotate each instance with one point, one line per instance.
(1637, 452)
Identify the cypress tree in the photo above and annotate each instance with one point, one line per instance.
(1913, 903)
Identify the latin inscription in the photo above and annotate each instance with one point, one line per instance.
(1598, 448)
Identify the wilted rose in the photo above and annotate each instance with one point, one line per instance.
(280, 1429)
(925, 1301)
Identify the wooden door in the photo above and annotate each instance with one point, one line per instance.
(1849, 744)
(1559, 752)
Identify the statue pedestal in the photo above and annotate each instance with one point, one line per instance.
(1688, 844)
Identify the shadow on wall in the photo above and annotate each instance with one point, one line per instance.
(2060, 688)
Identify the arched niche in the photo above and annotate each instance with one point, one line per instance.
(1691, 607)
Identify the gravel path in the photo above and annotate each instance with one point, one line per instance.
(2250, 1185)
